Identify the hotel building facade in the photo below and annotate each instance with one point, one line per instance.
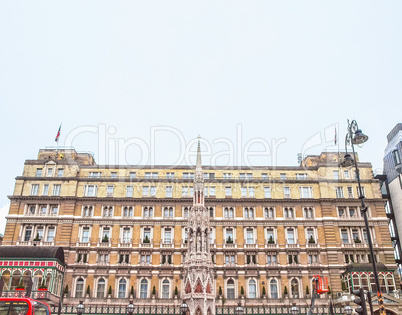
(123, 228)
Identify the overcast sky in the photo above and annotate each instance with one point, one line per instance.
(284, 72)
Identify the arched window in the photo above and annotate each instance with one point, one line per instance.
(356, 281)
(390, 283)
(107, 211)
(273, 284)
(37, 280)
(100, 290)
(165, 289)
(79, 288)
(294, 284)
(364, 281)
(122, 288)
(211, 212)
(269, 212)
(230, 289)
(144, 289)
(229, 212)
(185, 212)
(382, 283)
(128, 211)
(6, 279)
(252, 289)
(15, 280)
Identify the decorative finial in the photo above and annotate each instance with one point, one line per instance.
(199, 153)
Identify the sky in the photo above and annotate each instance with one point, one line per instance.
(136, 82)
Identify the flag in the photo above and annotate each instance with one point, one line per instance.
(58, 135)
(335, 136)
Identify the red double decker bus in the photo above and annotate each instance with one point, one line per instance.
(23, 306)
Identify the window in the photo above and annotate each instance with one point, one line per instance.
(363, 191)
(145, 190)
(43, 210)
(113, 174)
(270, 236)
(352, 212)
(269, 212)
(242, 176)
(28, 234)
(252, 289)
(149, 175)
(49, 172)
(294, 284)
(153, 191)
(38, 172)
(271, 259)
(244, 191)
(341, 212)
(283, 176)
(79, 288)
(128, 211)
(229, 212)
(31, 209)
(166, 259)
(100, 290)
(50, 234)
(301, 176)
(397, 158)
(169, 191)
(286, 192)
(103, 258)
(249, 212)
(344, 236)
(230, 259)
(184, 190)
(308, 212)
(339, 192)
(306, 192)
(85, 235)
(94, 174)
(291, 236)
(251, 259)
(346, 174)
(229, 236)
(312, 259)
(168, 236)
(122, 288)
(185, 212)
(168, 212)
(350, 192)
(267, 192)
(212, 191)
(264, 176)
(144, 289)
(124, 258)
(274, 289)
(148, 212)
(228, 191)
(227, 176)
(188, 175)
(251, 192)
(336, 174)
(87, 211)
(355, 236)
(90, 191)
(60, 172)
(147, 235)
(109, 191)
(45, 190)
(211, 212)
(145, 259)
(129, 191)
(250, 236)
(106, 234)
(165, 289)
(288, 212)
(170, 175)
(107, 211)
(126, 235)
(230, 289)
(56, 190)
(34, 189)
(54, 209)
(310, 235)
(132, 175)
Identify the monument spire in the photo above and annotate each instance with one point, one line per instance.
(198, 273)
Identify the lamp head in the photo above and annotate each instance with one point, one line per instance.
(359, 137)
(348, 310)
(80, 307)
(130, 308)
(348, 161)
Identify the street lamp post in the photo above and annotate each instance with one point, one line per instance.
(356, 136)
(294, 310)
(239, 309)
(80, 308)
(130, 308)
(184, 308)
(348, 310)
